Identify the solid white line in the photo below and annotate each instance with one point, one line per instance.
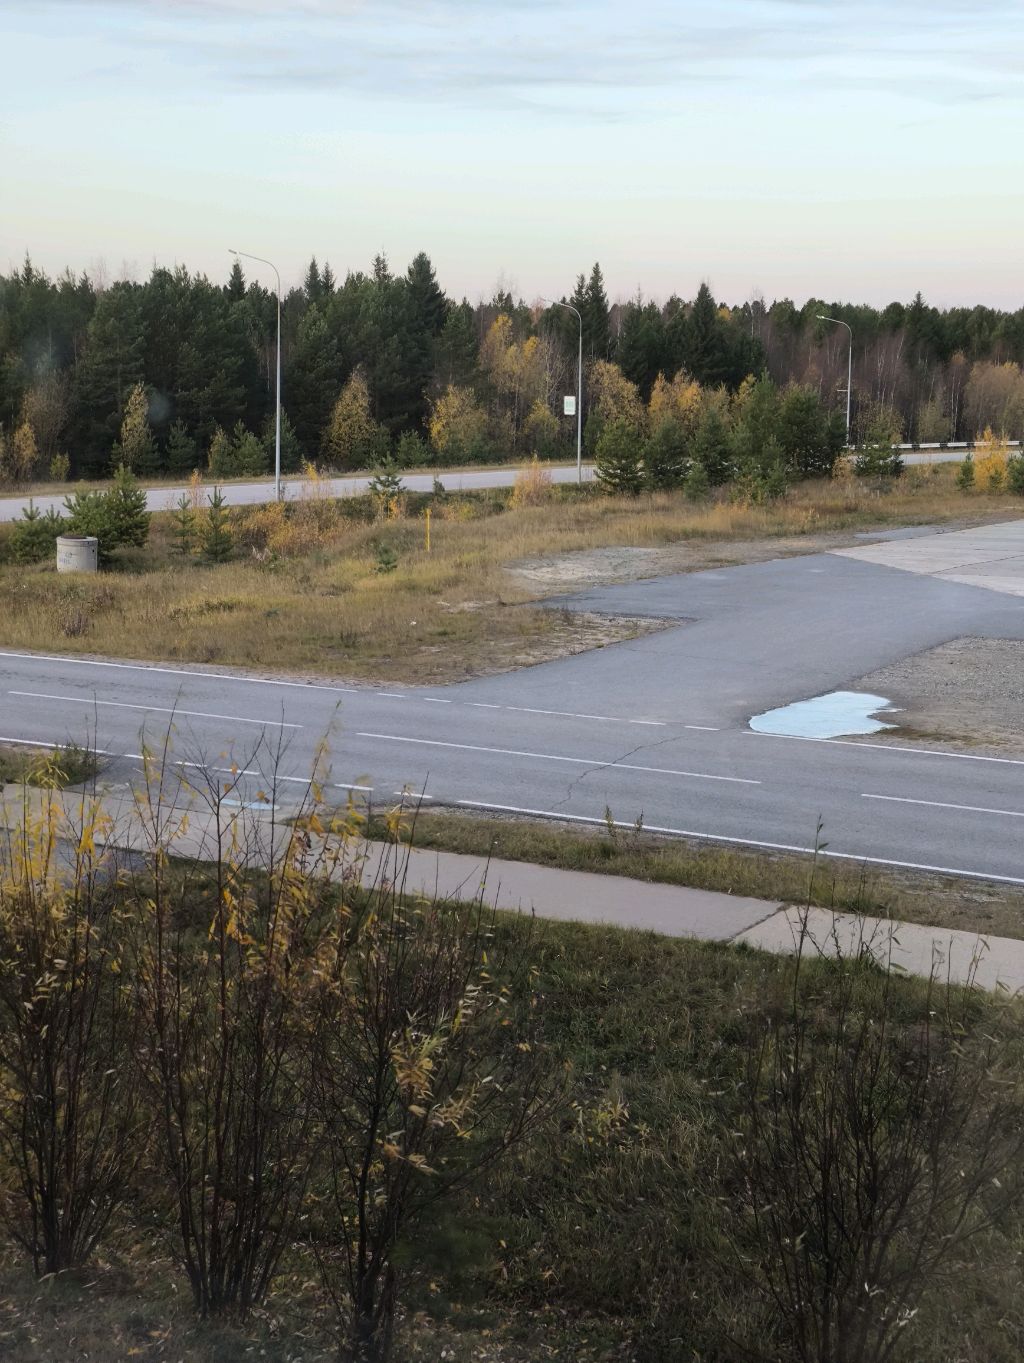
(941, 804)
(163, 709)
(597, 763)
(180, 672)
(889, 747)
(750, 842)
(575, 714)
(42, 743)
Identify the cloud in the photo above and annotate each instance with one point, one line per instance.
(595, 57)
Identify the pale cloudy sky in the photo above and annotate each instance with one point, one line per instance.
(854, 150)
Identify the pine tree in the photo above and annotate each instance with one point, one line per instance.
(34, 535)
(248, 455)
(182, 453)
(327, 281)
(965, 473)
(705, 351)
(216, 534)
(126, 510)
(220, 461)
(1015, 475)
(456, 349)
(664, 455)
(696, 484)
(617, 458)
(292, 457)
(311, 375)
(111, 365)
(711, 448)
(184, 526)
(641, 352)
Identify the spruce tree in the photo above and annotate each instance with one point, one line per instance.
(236, 283)
(182, 453)
(664, 455)
(216, 535)
(291, 450)
(248, 455)
(184, 526)
(711, 448)
(965, 473)
(430, 306)
(617, 458)
(126, 510)
(596, 335)
(1015, 475)
(34, 535)
(456, 349)
(705, 349)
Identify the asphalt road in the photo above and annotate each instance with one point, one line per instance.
(248, 494)
(656, 727)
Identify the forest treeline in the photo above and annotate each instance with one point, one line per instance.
(178, 372)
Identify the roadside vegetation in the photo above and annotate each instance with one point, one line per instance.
(348, 587)
(788, 877)
(68, 764)
(250, 1109)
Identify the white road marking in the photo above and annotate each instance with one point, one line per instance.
(890, 747)
(483, 705)
(707, 728)
(575, 714)
(436, 700)
(751, 842)
(180, 672)
(162, 709)
(392, 695)
(412, 795)
(597, 763)
(941, 804)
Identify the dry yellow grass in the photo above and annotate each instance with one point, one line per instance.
(327, 607)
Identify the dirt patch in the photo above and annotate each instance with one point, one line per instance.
(968, 694)
(602, 567)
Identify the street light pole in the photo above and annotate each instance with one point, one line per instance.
(838, 321)
(579, 387)
(277, 419)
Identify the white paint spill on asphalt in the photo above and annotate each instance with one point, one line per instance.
(828, 716)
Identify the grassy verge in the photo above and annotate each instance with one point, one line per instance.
(886, 892)
(604, 1240)
(66, 765)
(340, 588)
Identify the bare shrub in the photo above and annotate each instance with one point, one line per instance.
(871, 1146)
(69, 1112)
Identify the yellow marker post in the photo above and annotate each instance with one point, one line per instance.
(427, 545)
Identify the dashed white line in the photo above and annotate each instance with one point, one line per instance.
(942, 804)
(160, 709)
(705, 728)
(597, 763)
(392, 695)
(181, 672)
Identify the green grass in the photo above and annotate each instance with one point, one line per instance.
(605, 1238)
(796, 878)
(66, 765)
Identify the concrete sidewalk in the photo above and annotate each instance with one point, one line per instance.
(584, 897)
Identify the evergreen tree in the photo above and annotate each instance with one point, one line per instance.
(235, 289)
(291, 450)
(111, 366)
(184, 526)
(705, 352)
(429, 305)
(312, 285)
(216, 542)
(34, 535)
(327, 281)
(126, 510)
(219, 460)
(456, 349)
(696, 484)
(641, 351)
(664, 455)
(182, 453)
(312, 373)
(595, 313)
(805, 434)
(711, 448)
(1015, 475)
(965, 473)
(248, 454)
(618, 462)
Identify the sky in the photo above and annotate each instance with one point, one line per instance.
(854, 151)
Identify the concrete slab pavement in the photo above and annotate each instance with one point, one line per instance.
(585, 897)
(990, 556)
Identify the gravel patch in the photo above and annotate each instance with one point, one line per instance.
(968, 693)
